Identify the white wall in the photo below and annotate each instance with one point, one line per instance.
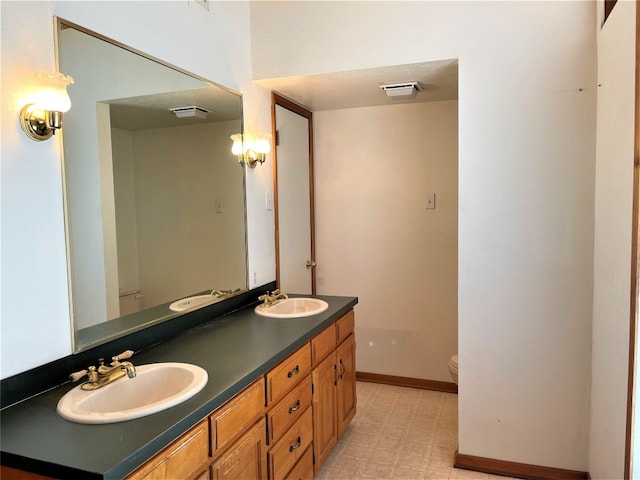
(612, 250)
(214, 45)
(181, 234)
(375, 239)
(527, 73)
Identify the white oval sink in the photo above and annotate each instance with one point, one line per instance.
(191, 302)
(156, 387)
(293, 308)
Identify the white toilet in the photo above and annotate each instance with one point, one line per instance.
(453, 367)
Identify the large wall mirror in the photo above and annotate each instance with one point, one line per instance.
(154, 199)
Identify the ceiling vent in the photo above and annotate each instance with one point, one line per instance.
(400, 91)
(191, 111)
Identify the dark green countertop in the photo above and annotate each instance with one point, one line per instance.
(235, 350)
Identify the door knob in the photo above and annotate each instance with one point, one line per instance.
(311, 264)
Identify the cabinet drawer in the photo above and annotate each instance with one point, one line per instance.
(345, 326)
(182, 459)
(235, 416)
(245, 459)
(288, 373)
(286, 452)
(288, 410)
(303, 470)
(323, 344)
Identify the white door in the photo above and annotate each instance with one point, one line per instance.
(294, 200)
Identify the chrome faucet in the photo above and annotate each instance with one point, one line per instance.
(105, 374)
(270, 299)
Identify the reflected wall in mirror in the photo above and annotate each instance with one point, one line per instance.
(155, 203)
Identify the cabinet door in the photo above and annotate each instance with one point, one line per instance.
(325, 428)
(245, 459)
(346, 387)
(184, 458)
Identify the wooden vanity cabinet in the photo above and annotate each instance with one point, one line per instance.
(325, 425)
(288, 373)
(234, 418)
(283, 456)
(186, 458)
(245, 459)
(303, 470)
(289, 419)
(334, 386)
(281, 427)
(346, 383)
(288, 410)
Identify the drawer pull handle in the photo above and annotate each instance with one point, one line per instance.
(295, 408)
(295, 371)
(343, 369)
(337, 377)
(296, 445)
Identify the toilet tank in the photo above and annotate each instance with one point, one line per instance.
(130, 301)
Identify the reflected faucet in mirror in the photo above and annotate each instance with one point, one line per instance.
(222, 293)
(201, 300)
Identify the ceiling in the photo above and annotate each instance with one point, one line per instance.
(329, 91)
(361, 88)
(152, 111)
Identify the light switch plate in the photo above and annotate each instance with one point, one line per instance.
(430, 203)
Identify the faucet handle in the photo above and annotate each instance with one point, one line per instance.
(123, 356)
(75, 376)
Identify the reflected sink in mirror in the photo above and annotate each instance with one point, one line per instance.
(191, 302)
(156, 387)
(293, 308)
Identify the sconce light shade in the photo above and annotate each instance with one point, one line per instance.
(41, 118)
(236, 148)
(251, 148)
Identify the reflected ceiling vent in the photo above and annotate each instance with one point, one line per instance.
(191, 111)
(401, 91)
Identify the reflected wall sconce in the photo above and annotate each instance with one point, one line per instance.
(251, 148)
(41, 118)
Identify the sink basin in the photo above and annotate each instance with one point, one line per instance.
(156, 387)
(293, 308)
(191, 302)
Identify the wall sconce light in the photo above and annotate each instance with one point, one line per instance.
(41, 118)
(251, 148)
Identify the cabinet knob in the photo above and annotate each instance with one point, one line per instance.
(311, 264)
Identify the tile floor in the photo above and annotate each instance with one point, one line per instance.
(399, 433)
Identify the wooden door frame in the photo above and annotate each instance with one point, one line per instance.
(284, 102)
(635, 264)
